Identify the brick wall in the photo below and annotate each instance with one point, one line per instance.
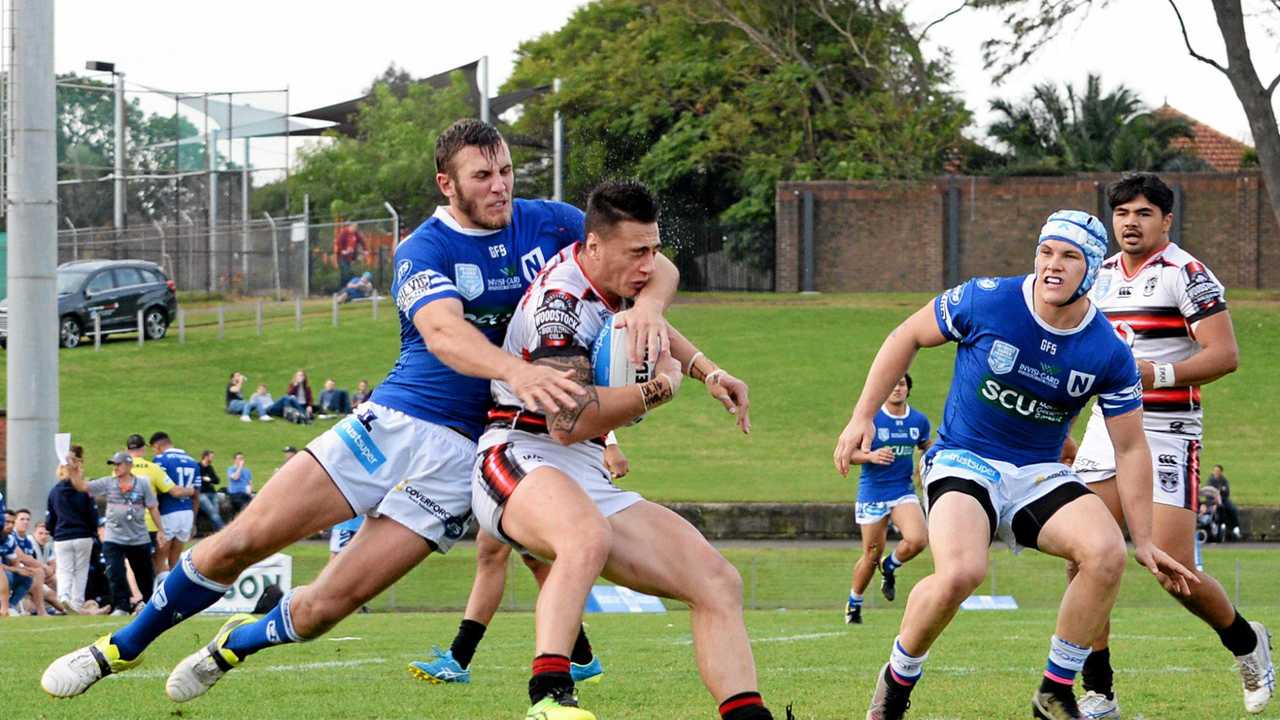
(893, 235)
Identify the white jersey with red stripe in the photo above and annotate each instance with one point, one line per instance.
(1156, 310)
(561, 313)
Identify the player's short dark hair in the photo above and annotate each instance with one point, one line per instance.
(467, 132)
(1145, 184)
(19, 511)
(907, 377)
(205, 454)
(615, 201)
(157, 437)
(134, 442)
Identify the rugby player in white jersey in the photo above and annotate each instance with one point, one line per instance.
(541, 482)
(1173, 312)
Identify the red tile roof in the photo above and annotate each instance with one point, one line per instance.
(1221, 152)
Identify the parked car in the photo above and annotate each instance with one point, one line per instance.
(113, 290)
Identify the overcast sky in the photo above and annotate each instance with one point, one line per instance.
(326, 51)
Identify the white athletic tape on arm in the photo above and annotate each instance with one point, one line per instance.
(1164, 376)
(610, 439)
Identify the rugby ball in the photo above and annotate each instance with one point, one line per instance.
(611, 364)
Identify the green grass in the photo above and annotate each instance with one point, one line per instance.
(804, 356)
(985, 666)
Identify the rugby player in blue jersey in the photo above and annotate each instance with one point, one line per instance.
(1032, 350)
(885, 490)
(407, 452)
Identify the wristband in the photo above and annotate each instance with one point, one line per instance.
(610, 439)
(656, 391)
(693, 362)
(711, 376)
(1164, 376)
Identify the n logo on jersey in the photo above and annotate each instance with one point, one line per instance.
(469, 279)
(531, 263)
(915, 433)
(1079, 383)
(1002, 357)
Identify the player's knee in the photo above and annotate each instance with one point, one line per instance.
(491, 554)
(959, 583)
(721, 586)
(911, 546)
(1103, 557)
(873, 552)
(313, 614)
(588, 547)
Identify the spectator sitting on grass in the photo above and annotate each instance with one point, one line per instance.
(300, 390)
(25, 572)
(44, 553)
(333, 401)
(235, 394)
(363, 391)
(268, 409)
(357, 288)
(239, 483)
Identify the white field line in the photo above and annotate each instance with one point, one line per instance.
(59, 628)
(784, 638)
(298, 667)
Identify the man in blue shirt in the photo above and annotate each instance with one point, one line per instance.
(239, 483)
(885, 490)
(176, 513)
(1031, 352)
(457, 279)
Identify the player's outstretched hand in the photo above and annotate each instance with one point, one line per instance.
(646, 331)
(733, 394)
(856, 435)
(1170, 573)
(616, 462)
(544, 389)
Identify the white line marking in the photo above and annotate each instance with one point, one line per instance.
(299, 667)
(60, 628)
(785, 638)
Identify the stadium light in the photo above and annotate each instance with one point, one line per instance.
(118, 210)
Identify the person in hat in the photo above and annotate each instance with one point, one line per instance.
(130, 499)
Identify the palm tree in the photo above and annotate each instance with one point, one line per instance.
(1058, 132)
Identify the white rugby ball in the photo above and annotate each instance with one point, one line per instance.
(611, 364)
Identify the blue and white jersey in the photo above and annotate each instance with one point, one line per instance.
(25, 544)
(8, 547)
(905, 433)
(488, 271)
(1018, 381)
(183, 470)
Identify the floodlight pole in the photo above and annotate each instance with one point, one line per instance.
(119, 183)
(483, 72)
(557, 150)
(32, 367)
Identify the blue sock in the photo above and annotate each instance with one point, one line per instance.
(1065, 660)
(855, 599)
(274, 628)
(184, 594)
(891, 563)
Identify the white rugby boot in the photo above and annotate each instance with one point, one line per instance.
(1096, 706)
(77, 671)
(1257, 671)
(200, 670)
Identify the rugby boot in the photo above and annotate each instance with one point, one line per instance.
(888, 702)
(853, 614)
(1050, 706)
(443, 669)
(591, 673)
(1096, 706)
(76, 672)
(1258, 672)
(200, 670)
(888, 582)
(562, 705)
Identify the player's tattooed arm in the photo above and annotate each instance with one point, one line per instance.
(566, 419)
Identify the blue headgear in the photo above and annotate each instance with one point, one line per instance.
(1089, 236)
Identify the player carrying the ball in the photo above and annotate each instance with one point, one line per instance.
(541, 482)
(1031, 352)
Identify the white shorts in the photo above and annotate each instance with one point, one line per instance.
(870, 513)
(500, 468)
(178, 525)
(410, 470)
(1004, 490)
(1175, 463)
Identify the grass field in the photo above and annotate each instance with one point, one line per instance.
(985, 666)
(804, 356)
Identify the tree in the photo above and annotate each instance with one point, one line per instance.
(1093, 130)
(1033, 23)
(391, 158)
(712, 103)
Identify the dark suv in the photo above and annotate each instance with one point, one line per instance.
(114, 290)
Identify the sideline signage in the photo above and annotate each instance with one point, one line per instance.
(245, 591)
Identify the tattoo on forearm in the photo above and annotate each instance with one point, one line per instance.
(566, 420)
(655, 392)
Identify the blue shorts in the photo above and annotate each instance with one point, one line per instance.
(18, 586)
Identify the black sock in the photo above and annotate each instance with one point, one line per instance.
(1097, 674)
(895, 688)
(550, 677)
(745, 706)
(581, 654)
(465, 642)
(1057, 689)
(1239, 636)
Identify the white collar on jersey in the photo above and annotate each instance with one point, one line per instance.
(442, 214)
(905, 414)
(1029, 283)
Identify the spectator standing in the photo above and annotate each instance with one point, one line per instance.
(235, 403)
(72, 519)
(348, 247)
(1228, 515)
(363, 391)
(333, 400)
(300, 390)
(209, 490)
(239, 483)
(176, 513)
(129, 500)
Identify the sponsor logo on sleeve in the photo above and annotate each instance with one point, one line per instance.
(956, 293)
(987, 283)
(556, 319)
(418, 286)
(470, 280)
(1002, 357)
(1202, 289)
(402, 270)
